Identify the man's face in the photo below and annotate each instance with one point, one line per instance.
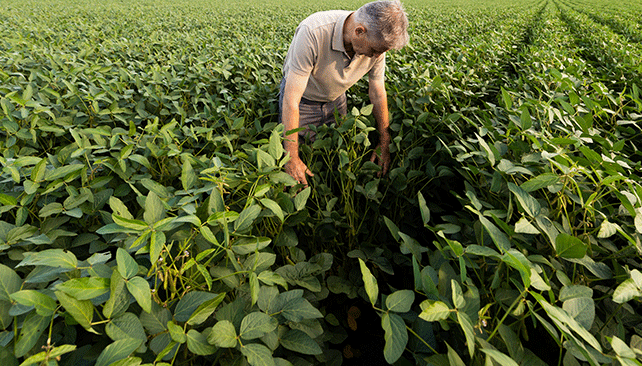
(364, 45)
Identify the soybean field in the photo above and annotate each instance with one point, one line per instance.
(146, 218)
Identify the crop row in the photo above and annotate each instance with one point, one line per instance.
(146, 216)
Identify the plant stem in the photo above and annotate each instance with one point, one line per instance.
(517, 300)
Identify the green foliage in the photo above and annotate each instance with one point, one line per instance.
(146, 218)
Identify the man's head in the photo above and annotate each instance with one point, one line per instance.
(384, 24)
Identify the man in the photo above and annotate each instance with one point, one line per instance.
(330, 52)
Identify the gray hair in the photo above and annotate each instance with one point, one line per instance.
(386, 21)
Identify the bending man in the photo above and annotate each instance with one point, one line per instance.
(330, 52)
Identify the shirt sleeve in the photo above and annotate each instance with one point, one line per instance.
(378, 70)
(303, 52)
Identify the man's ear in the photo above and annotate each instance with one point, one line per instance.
(360, 30)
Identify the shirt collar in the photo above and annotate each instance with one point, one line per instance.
(337, 35)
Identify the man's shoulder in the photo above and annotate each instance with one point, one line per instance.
(324, 19)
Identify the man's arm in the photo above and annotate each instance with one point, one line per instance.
(379, 100)
(294, 87)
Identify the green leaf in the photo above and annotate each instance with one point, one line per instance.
(52, 208)
(482, 251)
(139, 288)
(209, 236)
(7, 200)
(30, 187)
(467, 326)
(188, 177)
(366, 110)
(164, 347)
(425, 211)
(298, 341)
(140, 160)
(10, 282)
(254, 287)
(62, 171)
(205, 310)
(370, 282)
(528, 203)
(257, 355)
(453, 357)
(621, 349)
(52, 354)
(432, 310)
(400, 301)
(85, 288)
(189, 303)
(250, 245)
(395, 335)
(276, 146)
(156, 320)
(127, 326)
(394, 230)
(264, 159)
(599, 269)
(33, 326)
(155, 187)
(506, 98)
(581, 309)
(541, 181)
(410, 245)
(154, 209)
(246, 218)
(458, 295)
(223, 335)
(499, 238)
(454, 245)
(118, 301)
(283, 178)
(197, 343)
(489, 152)
(429, 280)
(51, 258)
(119, 208)
(574, 291)
(626, 291)
(607, 229)
(568, 246)
(518, 261)
(499, 357)
(45, 305)
(127, 266)
(560, 317)
(176, 332)
(270, 278)
(256, 325)
(117, 351)
(302, 198)
(129, 223)
(81, 310)
(523, 226)
(275, 208)
(298, 309)
(156, 244)
(38, 171)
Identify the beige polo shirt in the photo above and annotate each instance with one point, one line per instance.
(317, 50)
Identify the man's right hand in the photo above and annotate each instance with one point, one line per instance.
(298, 170)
